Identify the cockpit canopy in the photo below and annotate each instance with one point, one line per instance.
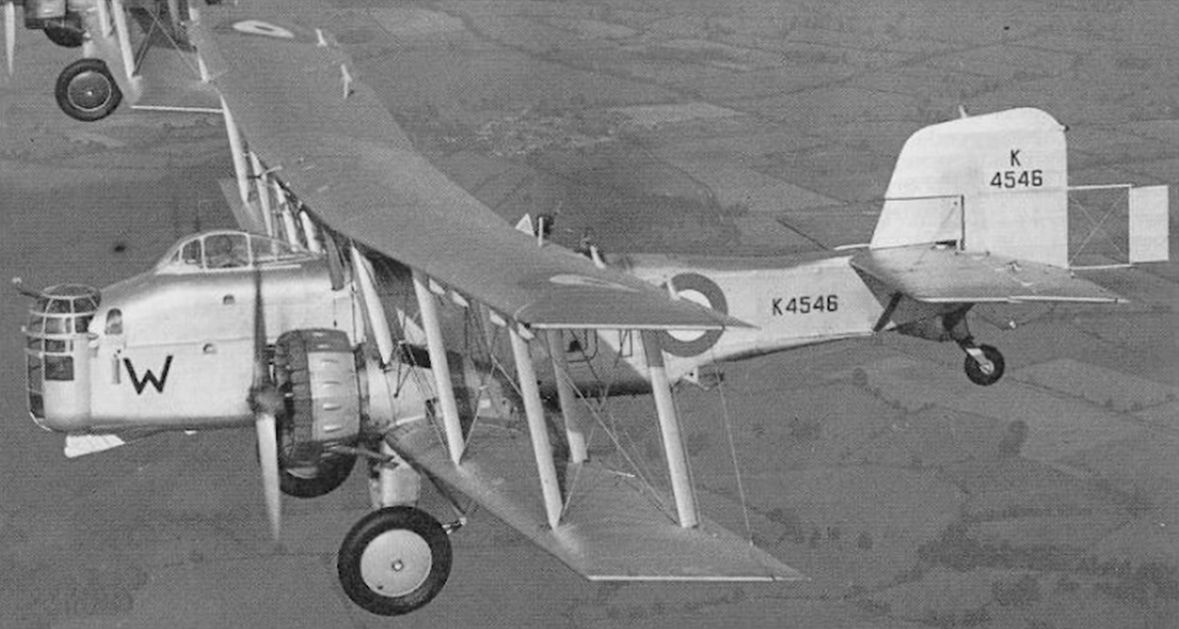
(227, 250)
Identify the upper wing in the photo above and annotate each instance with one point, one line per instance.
(941, 274)
(342, 154)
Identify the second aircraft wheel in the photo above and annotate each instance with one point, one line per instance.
(86, 90)
(394, 560)
(978, 374)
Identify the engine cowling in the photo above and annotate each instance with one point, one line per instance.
(315, 370)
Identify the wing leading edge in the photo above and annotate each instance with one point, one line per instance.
(342, 154)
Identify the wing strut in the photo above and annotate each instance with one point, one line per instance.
(281, 199)
(669, 426)
(570, 410)
(374, 310)
(290, 230)
(239, 158)
(262, 189)
(530, 391)
(123, 37)
(310, 234)
(439, 365)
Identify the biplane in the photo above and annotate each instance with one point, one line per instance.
(338, 320)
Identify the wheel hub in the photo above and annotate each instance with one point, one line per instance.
(396, 563)
(90, 90)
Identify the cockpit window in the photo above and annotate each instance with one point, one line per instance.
(226, 251)
(190, 254)
(267, 250)
(56, 325)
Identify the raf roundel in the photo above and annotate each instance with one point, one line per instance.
(699, 289)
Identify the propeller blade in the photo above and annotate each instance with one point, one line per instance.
(268, 459)
(10, 35)
(261, 370)
(265, 401)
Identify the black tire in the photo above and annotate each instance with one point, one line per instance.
(312, 482)
(86, 90)
(416, 550)
(65, 36)
(975, 372)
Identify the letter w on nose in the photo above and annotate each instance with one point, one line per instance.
(141, 383)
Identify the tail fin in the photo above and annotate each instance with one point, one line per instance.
(998, 184)
(995, 183)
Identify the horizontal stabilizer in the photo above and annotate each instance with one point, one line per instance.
(611, 530)
(933, 273)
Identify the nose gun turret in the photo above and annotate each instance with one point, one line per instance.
(57, 355)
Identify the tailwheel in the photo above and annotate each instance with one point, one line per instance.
(984, 365)
(394, 560)
(316, 480)
(86, 90)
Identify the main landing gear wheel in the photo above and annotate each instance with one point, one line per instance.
(315, 481)
(86, 90)
(394, 560)
(985, 375)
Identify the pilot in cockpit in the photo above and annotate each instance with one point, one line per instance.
(226, 251)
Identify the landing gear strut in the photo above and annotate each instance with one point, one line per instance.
(86, 90)
(983, 364)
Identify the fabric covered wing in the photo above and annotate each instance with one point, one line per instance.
(347, 159)
(942, 274)
(611, 530)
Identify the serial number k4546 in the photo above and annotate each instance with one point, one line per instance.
(781, 306)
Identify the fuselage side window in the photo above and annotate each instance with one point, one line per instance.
(191, 253)
(226, 251)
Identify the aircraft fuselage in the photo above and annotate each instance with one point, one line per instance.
(174, 348)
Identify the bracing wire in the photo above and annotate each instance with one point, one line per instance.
(736, 466)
